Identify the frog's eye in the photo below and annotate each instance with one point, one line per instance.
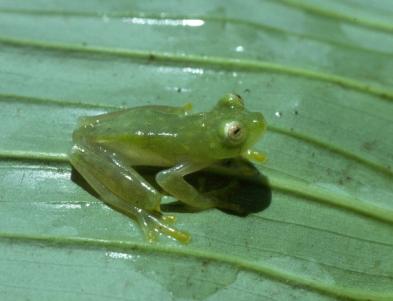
(234, 132)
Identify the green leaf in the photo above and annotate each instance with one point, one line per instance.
(320, 71)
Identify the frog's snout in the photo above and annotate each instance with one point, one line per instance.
(256, 128)
(258, 124)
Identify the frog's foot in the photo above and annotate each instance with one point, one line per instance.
(154, 223)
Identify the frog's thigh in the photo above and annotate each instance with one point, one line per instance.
(100, 168)
(172, 181)
(89, 175)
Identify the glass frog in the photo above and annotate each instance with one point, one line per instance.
(107, 149)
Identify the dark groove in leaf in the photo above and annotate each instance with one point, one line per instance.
(212, 62)
(313, 192)
(323, 230)
(51, 102)
(129, 14)
(371, 24)
(276, 274)
(325, 145)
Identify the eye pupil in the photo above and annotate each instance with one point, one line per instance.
(234, 132)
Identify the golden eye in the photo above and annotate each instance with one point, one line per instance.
(234, 131)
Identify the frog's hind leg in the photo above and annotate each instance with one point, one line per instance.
(126, 191)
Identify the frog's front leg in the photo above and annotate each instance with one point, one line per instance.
(172, 181)
(121, 187)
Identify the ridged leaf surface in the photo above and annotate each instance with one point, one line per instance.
(321, 73)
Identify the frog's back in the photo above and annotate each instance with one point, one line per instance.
(127, 122)
(155, 134)
(159, 135)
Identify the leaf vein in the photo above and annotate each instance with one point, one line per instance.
(246, 65)
(273, 273)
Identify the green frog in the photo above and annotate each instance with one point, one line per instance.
(107, 149)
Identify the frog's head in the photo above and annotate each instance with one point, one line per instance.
(238, 128)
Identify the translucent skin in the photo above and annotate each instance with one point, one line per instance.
(106, 147)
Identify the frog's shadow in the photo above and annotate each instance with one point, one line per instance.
(241, 193)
